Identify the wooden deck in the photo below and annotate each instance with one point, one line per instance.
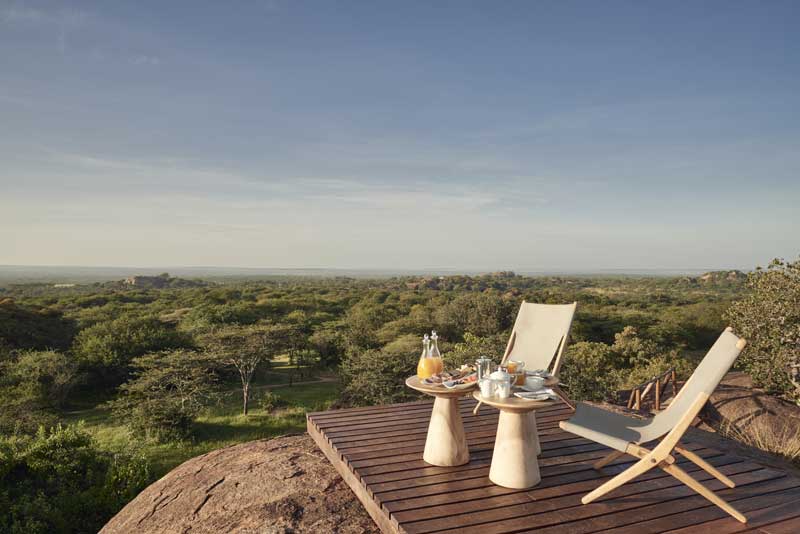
(378, 451)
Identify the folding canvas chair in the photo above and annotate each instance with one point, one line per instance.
(539, 337)
(626, 434)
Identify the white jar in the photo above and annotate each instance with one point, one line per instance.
(502, 388)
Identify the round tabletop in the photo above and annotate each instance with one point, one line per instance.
(513, 404)
(439, 391)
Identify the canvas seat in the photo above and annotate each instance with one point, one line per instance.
(608, 428)
(626, 434)
(539, 338)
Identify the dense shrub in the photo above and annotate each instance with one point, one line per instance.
(482, 314)
(769, 318)
(33, 327)
(597, 371)
(109, 347)
(589, 371)
(33, 386)
(57, 481)
(473, 347)
(167, 392)
(375, 376)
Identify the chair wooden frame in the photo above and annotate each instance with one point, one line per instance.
(661, 456)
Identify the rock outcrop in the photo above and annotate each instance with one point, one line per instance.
(277, 486)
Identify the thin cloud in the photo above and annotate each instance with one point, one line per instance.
(145, 60)
(12, 14)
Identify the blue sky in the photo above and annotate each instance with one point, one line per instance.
(467, 135)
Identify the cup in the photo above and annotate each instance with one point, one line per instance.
(534, 383)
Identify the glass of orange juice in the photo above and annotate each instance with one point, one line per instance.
(516, 368)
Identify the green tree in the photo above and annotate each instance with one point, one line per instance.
(377, 376)
(590, 371)
(58, 481)
(168, 390)
(769, 318)
(474, 347)
(33, 386)
(483, 314)
(328, 343)
(47, 376)
(33, 327)
(107, 348)
(245, 348)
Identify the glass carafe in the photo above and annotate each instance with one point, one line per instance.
(435, 354)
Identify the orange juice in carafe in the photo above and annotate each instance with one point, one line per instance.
(427, 366)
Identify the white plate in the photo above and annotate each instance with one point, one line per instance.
(450, 385)
(533, 396)
(539, 372)
(537, 390)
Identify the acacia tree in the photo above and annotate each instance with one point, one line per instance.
(769, 318)
(245, 348)
(168, 390)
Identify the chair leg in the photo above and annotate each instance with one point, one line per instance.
(607, 459)
(705, 466)
(684, 477)
(640, 467)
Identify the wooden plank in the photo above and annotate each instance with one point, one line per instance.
(555, 484)
(761, 511)
(414, 421)
(465, 407)
(749, 484)
(374, 511)
(550, 514)
(377, 444)
(789, 525)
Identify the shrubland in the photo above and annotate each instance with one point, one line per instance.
(175, 371)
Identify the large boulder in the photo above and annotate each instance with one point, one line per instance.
(272, 486)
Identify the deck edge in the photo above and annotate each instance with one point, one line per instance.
(375, 512)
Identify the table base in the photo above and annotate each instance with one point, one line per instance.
(446, 444)
(516, 448)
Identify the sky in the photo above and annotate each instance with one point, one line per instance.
(540, 135)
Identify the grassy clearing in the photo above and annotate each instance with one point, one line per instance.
(222, 425)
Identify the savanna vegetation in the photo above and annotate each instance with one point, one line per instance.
(104, 387)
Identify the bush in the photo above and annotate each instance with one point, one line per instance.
(377, 376)
(169, 390)
(472, 348)
(58, 481)
(769, 318)
(483, 314)
(596, 371)
(33, 384)
(109, 347)
(46, 375)
(269, 400)
(589, 371)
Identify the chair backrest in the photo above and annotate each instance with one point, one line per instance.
(704, 380)
(540, 335)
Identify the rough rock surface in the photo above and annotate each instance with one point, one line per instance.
(276, 486)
